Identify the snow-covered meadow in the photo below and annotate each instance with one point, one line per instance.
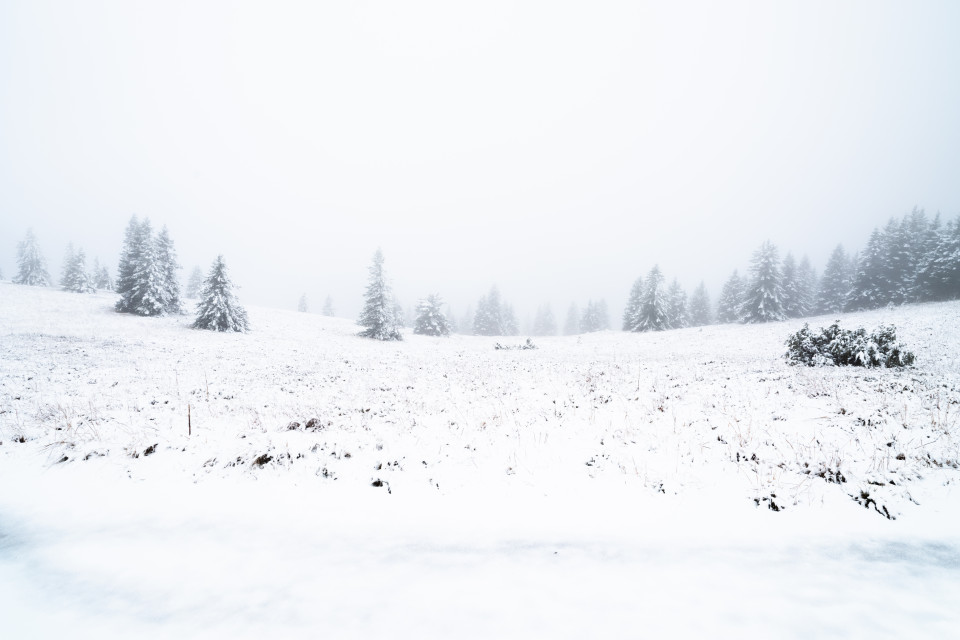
(688, 482)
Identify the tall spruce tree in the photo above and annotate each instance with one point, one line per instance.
(431, 320)
(168, 265)
(591, 319)
(700, 309)
(730, 303)
(143, 273)
(763, 301)
(791, 287)
(631, 314)
(379, 317)
(654, 305)
(218, 309)
(939, 275)
(511, 326)
(31, 266)
(806, 288)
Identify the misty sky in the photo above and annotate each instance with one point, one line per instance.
(556, 149)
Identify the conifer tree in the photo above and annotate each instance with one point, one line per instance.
(677, 306)
(806, 288)
(488, 320)
(75, 277)
(302, 305)
(763, 301)
(194, 284)
(544, 324)
(452, 320)
(590, 320)
(431, 320)
(135, 241)
(379, 317)
(31, 266)
(654, 303)
(218, 309)
(571, 326)
(869, 287)
(511, 327)
(328, 309)
(939, 275)
(631, 314)
(466, 322)
(100, 276)
(700, 313)
(166, 257)
(730, 303)
(791, 287)
(835, 283)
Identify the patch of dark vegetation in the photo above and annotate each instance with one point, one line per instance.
(262, 459)
(293, 426)
(867, 502)
(381, 483)
(526, 346)
(150, 450)
(771, 502)
(314, 424)
(833, 346)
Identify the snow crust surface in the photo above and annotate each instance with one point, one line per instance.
(684, 483)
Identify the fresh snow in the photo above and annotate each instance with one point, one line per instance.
(606, 485)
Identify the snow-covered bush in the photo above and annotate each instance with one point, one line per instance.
(843, 347)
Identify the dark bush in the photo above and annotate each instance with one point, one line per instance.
(843, 347)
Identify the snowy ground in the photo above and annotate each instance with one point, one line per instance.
(687, 483)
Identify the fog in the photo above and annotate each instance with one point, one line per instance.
(558, 150)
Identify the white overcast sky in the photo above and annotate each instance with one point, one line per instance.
(556, 149)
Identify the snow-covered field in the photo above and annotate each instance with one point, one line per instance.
(686, 483)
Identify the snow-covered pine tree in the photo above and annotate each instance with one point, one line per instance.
(603, 315)
(868, 289)
(835, 283)
(378, 316)
(451, 320)
(136, 238)
(589, 321)
(806, 288)
(431, 320)
(31, 266)
(730, 303)
(194, 284)
(166, 257)
(572, 325)
(488, 320)
(511, 326)
(700, 310)
(790, 286)
(328, 309)
(631, 314)
(302, 305)
(677, 306)
(763, 301)
(939, 275)
(544, 324)
(654, 311)
(218, 309)
(75, 277)
(100, 276)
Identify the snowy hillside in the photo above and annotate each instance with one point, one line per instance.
(483, 463)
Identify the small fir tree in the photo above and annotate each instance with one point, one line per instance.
(511, 327)
(700, 307)
(31, 266)
(302, 305)
(194, 284)
(166, 257)
(835, 283)
(75, 277)
(378, 316)
(730, 303)
(328, 309)
(868, 289)
(488, 320)
(544, 324)
(677, 306)
(218, 309)
(100, 276)
(431, 321)
(571, 326)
